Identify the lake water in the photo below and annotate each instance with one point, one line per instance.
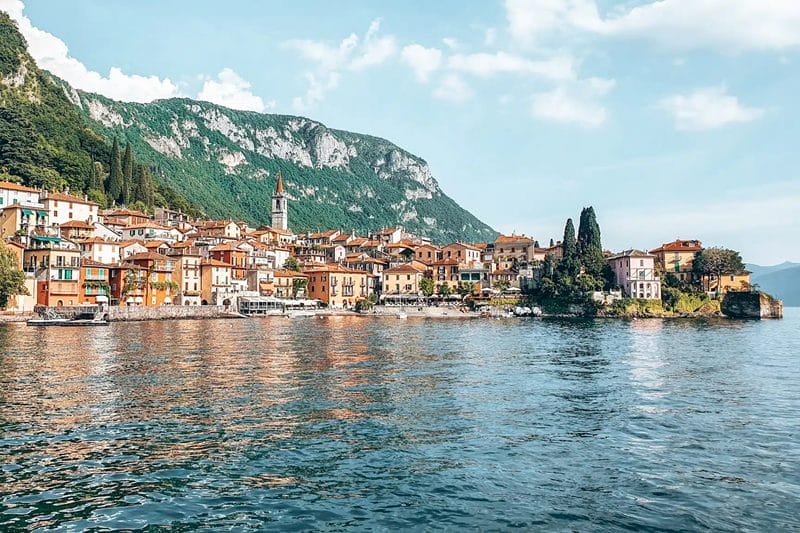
(361, 423)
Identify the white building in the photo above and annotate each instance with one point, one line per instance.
(636, 274)
(100, 250)
(280, 208)
(14, 193)
(64, 207)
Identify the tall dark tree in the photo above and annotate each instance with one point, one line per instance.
(12, 279)
(569, 266)
(115, 184)
(143, 188)
(127, 175)
(552, 243)
(589, 246)
(95, 176)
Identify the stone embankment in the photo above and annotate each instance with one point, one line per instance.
(170, 312)
(751, 305)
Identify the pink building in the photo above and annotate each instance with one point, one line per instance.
(636, 274)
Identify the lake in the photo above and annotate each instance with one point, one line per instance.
(366, 423)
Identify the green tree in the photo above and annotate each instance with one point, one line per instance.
(427, 286)
(292, 264)
(143, 187)
(444, 290)
(717, 262)
(589, 246)
(115, 179)
(465, 288)
(501, 285)
(95, 180)
(127, 175)
(569, 266)
(12, 279)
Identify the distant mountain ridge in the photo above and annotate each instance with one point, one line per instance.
(223, 160)
(781, 281)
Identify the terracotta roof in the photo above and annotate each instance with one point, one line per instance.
(119, 212)
(279, 186)
(403, 269)
(8, 185)
(679, 245)
(323, 234)
(461, 245)
(288, 274)
(215, 263)
(90, 262)
(148, 256)
(334, 268)
(78, 224)
(147, 225)
(387, 231)
(155, 244)
(96, 240)
(63, 197)
(507, 239)
(130, 242)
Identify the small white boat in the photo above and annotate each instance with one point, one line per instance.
(401, 315)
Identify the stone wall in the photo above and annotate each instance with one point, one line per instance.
(120, 313)
(751, 305)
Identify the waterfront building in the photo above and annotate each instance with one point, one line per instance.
(427, 253)
(94, 282)
(677, 257)
(461, 252)
(512, 250)
(288, 284)
(128, 284)
(160, 288)
(131, 247)
(336, 285)
(64, 207)
(23, 220)
(54, 263)
(235, 254)
(187, 274)
(445, 272)
(14, 193)
(215, 282)
(403, 279)
(635, 274)
(280, 206)
(76, 229)
(100, 250)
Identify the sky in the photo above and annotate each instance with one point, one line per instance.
(674, 119)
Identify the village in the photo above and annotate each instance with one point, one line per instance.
(74, 254)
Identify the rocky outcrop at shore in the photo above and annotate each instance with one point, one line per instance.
(751, 305)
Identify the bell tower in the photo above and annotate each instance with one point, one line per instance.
(280, 209)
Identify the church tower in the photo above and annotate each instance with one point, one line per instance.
(280, 209)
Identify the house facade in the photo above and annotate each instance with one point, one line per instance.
(635, 274)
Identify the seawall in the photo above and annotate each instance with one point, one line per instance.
(751, 305)
(170, 312)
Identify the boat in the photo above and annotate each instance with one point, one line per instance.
(402, 315)
(88, 317)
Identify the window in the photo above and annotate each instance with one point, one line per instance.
(88, 272)
(641, 262)
(68, 274)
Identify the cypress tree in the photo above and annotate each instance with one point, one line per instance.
(552, 243)
(569, 266)
(589, 246)
(115, 173)
(95, 177)
(145, 189)
(127, 175)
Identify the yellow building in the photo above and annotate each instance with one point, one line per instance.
(677, 257)
(403, 279)
(336, 285)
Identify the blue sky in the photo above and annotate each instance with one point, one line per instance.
(673, 119)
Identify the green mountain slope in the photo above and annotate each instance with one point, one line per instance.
(227, 161)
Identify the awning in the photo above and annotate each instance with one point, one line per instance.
(167, 300)
(45, 238)
(26, 212)
(43, 213)
(138, 300)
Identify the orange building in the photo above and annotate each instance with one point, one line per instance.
(95, 277)
(677, 257)
(160, 288)
(337, 286)
(55, 264)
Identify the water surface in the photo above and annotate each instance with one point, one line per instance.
(401, 424)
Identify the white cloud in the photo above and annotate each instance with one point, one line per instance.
(490, 36)
(423, 61)
(453, 89)
(707, 108)
(450, 43)
(486, 65)
(231, 90)
(728, 25)
(51, 53)
(352, 53)
(574, 103)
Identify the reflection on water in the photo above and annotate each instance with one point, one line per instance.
(347, 422)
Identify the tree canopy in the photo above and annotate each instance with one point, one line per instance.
(12, 279)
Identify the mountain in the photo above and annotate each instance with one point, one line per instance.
(221, 160)
(781, 281)
(759, 270)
